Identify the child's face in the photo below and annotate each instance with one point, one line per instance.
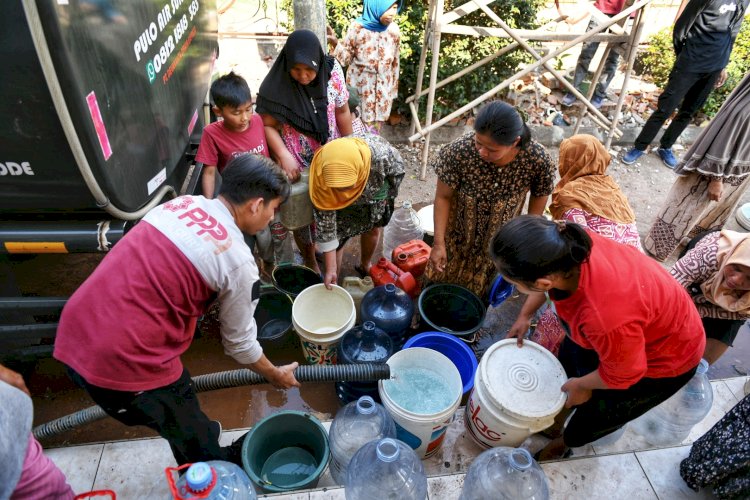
(302, 73)
(389, 15)
(737, 277)
(236, 119)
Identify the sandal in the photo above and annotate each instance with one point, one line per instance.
(361, 271)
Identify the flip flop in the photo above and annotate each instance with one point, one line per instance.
(361, 271)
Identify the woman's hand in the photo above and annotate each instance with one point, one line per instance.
(331, 37)
(577, 393)
(289, 166)
(438, 257)
(722, 78)
(715, 188)
(519, 329)
(13, 378)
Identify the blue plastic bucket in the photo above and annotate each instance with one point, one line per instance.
(454, 349)
(500, 291)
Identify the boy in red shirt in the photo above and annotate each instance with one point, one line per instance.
(239, 131)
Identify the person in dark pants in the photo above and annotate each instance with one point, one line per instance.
(703, 38)
(122, 332)
(637, 334)
(610, 8)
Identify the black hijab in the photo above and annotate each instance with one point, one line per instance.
(304, 107)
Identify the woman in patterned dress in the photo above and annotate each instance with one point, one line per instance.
(715, 270)
(371, 51)
(483, 180)
(587, 196)
(353, 184)
(304, 103)
(713, 176)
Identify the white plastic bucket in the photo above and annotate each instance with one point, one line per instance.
(516, 394)
(320, 318)
(423, 432)
(426, 221)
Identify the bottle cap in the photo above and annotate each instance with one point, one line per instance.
(199, 476)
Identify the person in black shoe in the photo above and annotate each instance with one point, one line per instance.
(703, 36)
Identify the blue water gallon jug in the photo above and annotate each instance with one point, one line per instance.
(391, 309)
(361, 345)
(214, 480)
(387, 469)
(670, 422)
(504, 473)
(355, 425)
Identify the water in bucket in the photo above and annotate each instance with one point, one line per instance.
(288, 466)
(419, 390)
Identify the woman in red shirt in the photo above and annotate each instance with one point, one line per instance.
(634, 336)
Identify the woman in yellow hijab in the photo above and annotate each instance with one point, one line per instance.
(587, 196)
(353, 185)
(715, 270)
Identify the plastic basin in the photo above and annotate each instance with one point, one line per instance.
(451, 309)
(291, 279)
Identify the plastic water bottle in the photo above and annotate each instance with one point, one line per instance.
(404, 226)
(362, 345)
(670, 422)
(391, 309)
(213, 480)
(355, 425)
(385, 469)
(505, 473)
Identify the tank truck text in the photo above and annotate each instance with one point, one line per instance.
(170, 21)
(13, 168)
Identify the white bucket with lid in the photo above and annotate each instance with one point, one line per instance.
(320, 318)
(423, 432)
(516, 394)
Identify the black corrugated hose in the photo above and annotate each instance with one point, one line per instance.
(233, 378)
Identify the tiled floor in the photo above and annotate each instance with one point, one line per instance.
(629, 469)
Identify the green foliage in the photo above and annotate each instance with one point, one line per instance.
(657, 60)
(457, 52)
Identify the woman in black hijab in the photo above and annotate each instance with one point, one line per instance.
(304, 104)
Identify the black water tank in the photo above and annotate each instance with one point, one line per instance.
(132, 78)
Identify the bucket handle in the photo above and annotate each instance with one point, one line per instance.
(93, 493)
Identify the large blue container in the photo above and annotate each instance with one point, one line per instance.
(391, 309)
(454, 349)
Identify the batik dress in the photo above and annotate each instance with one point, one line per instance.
(485, 196)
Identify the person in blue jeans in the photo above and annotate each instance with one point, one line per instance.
(703, 38)
(610, 8)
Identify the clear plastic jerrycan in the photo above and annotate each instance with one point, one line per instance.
(357, 288)
(297, 211)
(355, 425)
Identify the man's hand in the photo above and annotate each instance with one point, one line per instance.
(577, 394)
(283, 376)
(722, 78)
(715, 188)
(13, 378)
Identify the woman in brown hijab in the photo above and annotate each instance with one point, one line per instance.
(587, 196)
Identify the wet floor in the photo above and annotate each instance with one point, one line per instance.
(55, 395)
